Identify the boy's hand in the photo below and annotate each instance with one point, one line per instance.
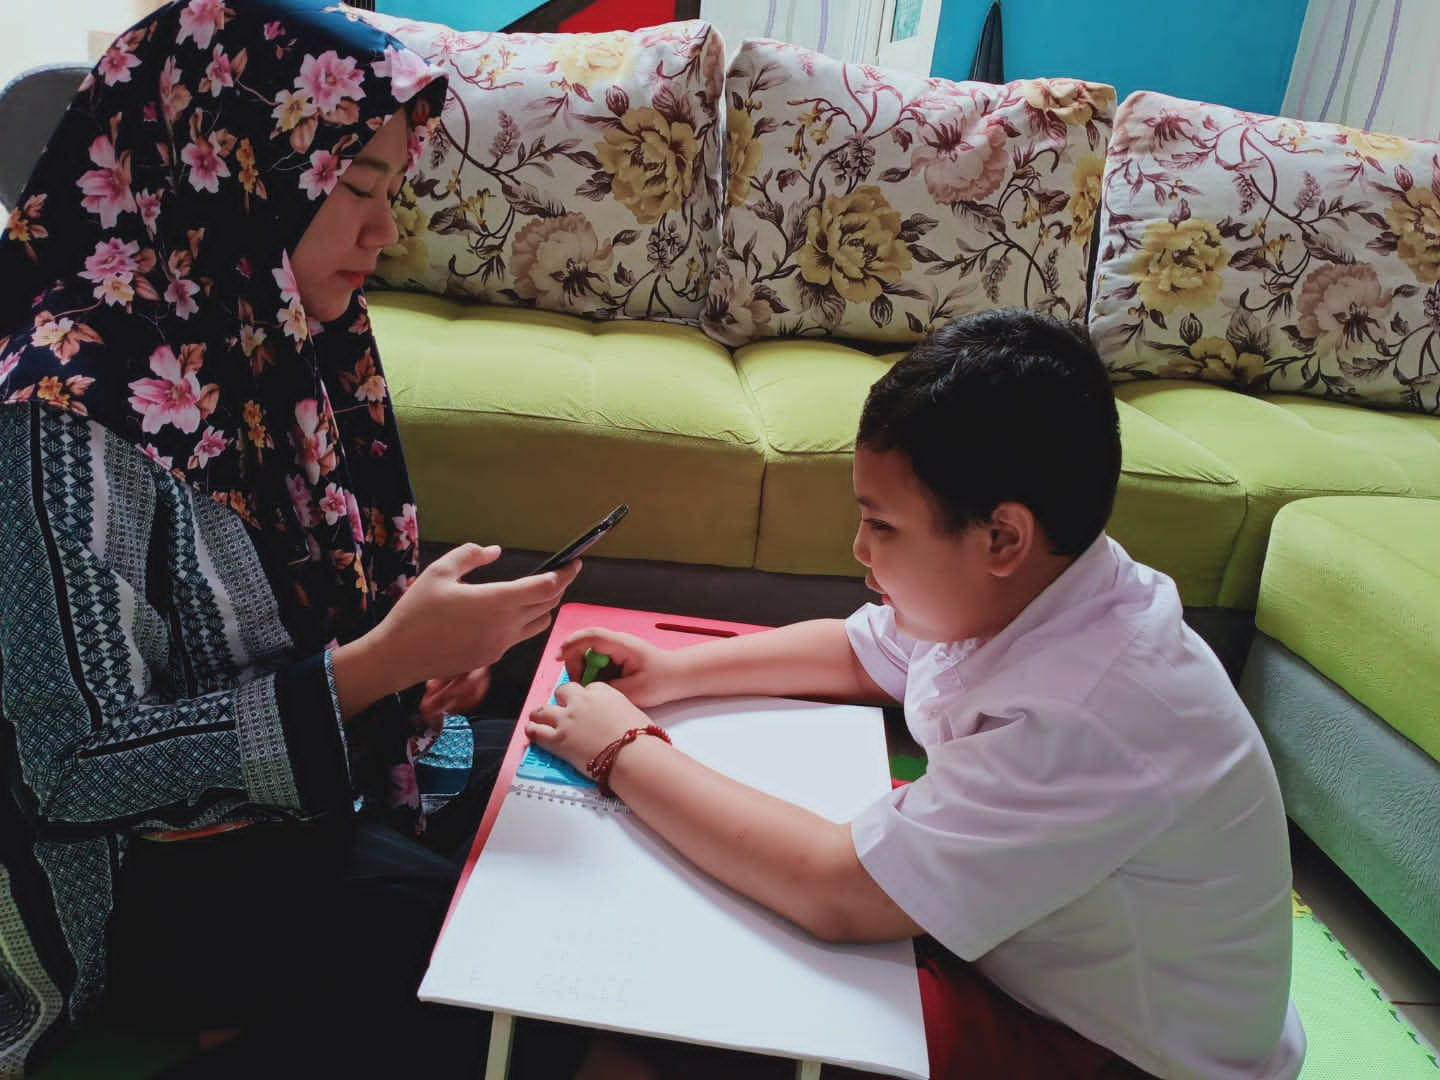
(583, 721)
(649, 675)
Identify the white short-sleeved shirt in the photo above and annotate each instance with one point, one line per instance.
(1099, 828)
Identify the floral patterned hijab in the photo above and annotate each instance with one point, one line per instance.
(147, 286)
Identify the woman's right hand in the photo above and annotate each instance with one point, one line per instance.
(649, 675)
(443, 626)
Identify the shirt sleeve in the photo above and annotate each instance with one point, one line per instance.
(1011, 823)
(882, 650)
(123, 710)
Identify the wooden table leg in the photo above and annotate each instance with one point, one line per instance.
(502, 1033)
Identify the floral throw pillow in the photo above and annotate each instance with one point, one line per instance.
(878, 205)
(570, 172)
(1270, 255)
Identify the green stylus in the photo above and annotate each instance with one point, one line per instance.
(595, 662)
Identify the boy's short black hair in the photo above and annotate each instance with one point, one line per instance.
(1007, 405)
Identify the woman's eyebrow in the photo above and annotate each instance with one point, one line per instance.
(372, 163)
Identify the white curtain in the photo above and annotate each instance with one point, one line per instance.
(1371, 64)
(837, 28)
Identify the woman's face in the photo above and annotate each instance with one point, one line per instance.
(339, 249)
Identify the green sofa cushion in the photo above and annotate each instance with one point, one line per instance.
(522, 427)
(1352, 586)
(1179, 507)
(807, 395)
(1284, 447)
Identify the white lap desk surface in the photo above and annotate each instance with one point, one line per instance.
(575, 911)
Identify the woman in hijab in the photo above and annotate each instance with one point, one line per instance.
(216, 643)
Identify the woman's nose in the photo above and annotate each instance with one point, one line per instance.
(382, 230)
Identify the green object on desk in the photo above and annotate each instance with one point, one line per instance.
(595, 662)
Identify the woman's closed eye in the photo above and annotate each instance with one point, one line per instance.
(362, 192)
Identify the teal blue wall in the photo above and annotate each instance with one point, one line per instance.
(1231, 52)
(461, 14)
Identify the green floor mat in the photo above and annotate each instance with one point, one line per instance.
(1353, 1032)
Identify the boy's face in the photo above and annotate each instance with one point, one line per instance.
(939, 583)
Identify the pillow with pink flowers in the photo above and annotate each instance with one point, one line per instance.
(878, 205)
(1269, 254)
(570, 172)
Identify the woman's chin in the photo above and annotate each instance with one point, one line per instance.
(330, 309)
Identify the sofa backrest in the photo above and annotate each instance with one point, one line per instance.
(1269, 255)
(572, 172)
(877, 205)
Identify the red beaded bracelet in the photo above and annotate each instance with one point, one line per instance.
(600, 765)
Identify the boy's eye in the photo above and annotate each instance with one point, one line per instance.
(875, 525)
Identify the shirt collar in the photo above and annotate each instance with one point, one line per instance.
(1093, 573)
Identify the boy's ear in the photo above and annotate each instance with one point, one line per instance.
(1012, 533)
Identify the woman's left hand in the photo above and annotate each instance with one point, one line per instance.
(455, 696)
(583, 721)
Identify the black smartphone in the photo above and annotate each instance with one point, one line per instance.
(584, 541)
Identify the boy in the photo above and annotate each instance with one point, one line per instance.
(1097, 854)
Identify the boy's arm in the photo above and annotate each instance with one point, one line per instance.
(792, 861)
(808, 659)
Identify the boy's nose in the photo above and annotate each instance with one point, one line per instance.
(860, 549)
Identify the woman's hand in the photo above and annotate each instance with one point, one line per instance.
(583, 721)
(444, 627)
(455, 696)
(649, 675)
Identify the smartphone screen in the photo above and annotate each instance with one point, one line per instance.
(584, 541)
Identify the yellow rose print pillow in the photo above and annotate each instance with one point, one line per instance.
(571, 172)
(1269, 255)
(878, 205)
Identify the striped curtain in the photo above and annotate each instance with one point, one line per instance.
(1371, 64)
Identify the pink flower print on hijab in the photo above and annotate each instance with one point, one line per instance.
(200, 20)
(407, 528)
(173, 398)
(207, 166)
(330, 79)
(285, 278)
(174, 96)
(107, 189)
(322, 175)
(111, 257)
(113, 267)
(332, 504)
(313, 441)
(220, 72)
(303, 501)
(352, 512)
(408, 72)
(115, 65)
(211, 445)
(148, 203)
